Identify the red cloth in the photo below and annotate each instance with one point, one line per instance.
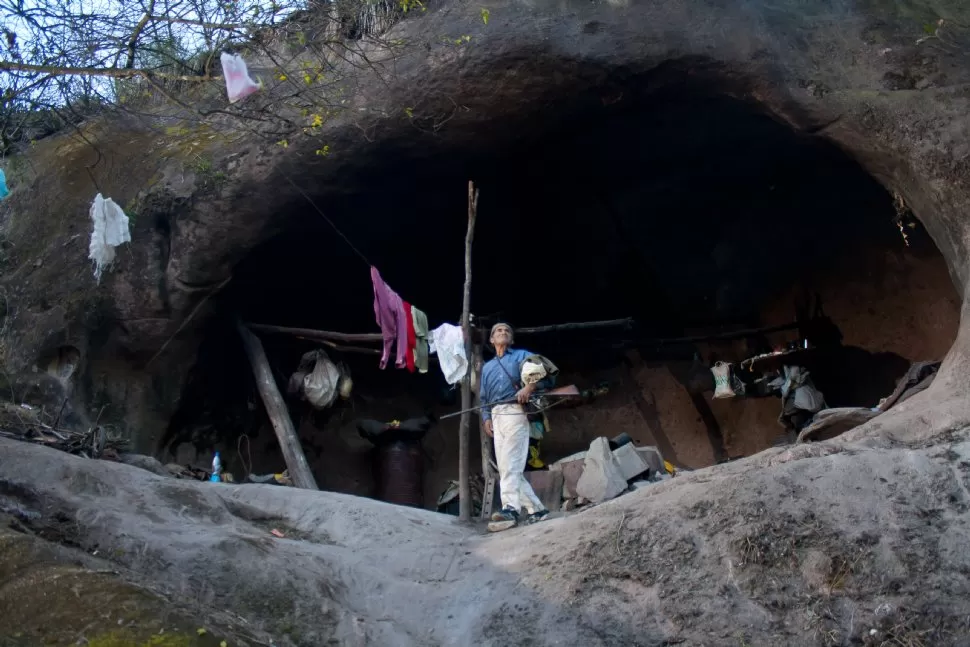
(412, 338)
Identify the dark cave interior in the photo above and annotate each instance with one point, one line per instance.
(685, 209)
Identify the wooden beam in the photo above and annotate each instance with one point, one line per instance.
(732, 334)
(276, 409)
(628, 322)
(464, 485)
(309, 333)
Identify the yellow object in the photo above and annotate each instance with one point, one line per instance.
(670, 468)
(200, 631)
(534, 461)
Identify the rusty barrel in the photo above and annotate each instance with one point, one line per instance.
(400, 473)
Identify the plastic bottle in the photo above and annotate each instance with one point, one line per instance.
(216, 469)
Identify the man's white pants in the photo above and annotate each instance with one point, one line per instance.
(510, 429)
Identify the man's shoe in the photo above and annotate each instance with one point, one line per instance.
(537, 516)
(507, 518)
(506, 514)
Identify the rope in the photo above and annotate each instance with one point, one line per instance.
(329, 221)
(239, 453)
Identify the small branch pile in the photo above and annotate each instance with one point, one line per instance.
(22, 422)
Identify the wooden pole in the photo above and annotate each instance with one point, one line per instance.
(610, 323)
(487, 459)
(464, 487)
(278, 415)
(309, 333)
(489, 468)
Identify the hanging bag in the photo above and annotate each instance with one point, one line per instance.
(722, 381)
(239, 84)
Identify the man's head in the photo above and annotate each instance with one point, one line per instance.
(501, 335)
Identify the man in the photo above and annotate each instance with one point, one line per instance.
(502, 382)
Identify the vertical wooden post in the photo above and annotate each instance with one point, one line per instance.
(489, 472)
(486, 442)
(464, 488)
(278, 415)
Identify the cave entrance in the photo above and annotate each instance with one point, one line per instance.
(693, 212)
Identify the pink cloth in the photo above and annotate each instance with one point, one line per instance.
(389, 310)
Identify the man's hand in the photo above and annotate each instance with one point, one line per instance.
(487, 426)
(523, 395)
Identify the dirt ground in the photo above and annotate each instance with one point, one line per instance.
(860, 540)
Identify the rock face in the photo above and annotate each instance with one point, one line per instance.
(854, 74)
(843, 528)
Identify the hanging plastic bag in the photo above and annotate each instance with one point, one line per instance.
(4, 191)
(110, 229)
(239, 84)
(321, 383)
(722, 381)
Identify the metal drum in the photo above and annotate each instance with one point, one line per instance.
(400, 473)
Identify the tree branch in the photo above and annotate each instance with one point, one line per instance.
(137, 32)
(110, 72)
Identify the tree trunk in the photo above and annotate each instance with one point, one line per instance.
(278, 415)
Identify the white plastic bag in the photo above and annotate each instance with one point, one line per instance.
(320, 385)
(239, 84)
(110, 229)
(722, 381)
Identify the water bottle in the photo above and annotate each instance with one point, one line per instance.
(216, 469)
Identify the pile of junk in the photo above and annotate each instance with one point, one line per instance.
(609, 468)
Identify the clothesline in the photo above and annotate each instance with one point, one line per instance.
(325, 335)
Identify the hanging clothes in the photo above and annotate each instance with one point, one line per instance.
(448, 341)
(412, 338)
(389, 310)
(420, 321)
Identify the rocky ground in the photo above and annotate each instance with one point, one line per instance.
(860, 540)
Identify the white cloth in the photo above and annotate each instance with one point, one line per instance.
(110, 229)
(510, 429)
(239, 85)
(448, 342)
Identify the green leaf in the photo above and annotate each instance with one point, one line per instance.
(485, 14)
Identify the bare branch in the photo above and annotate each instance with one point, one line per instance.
(111, 72)
(137, 32)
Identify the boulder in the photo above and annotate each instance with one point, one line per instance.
(571, 472)
(653, 458)
(632, 464)
(602, 477)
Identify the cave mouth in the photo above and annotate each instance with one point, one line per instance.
(693, 212)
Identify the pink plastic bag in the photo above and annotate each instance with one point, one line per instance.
(239, 85)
